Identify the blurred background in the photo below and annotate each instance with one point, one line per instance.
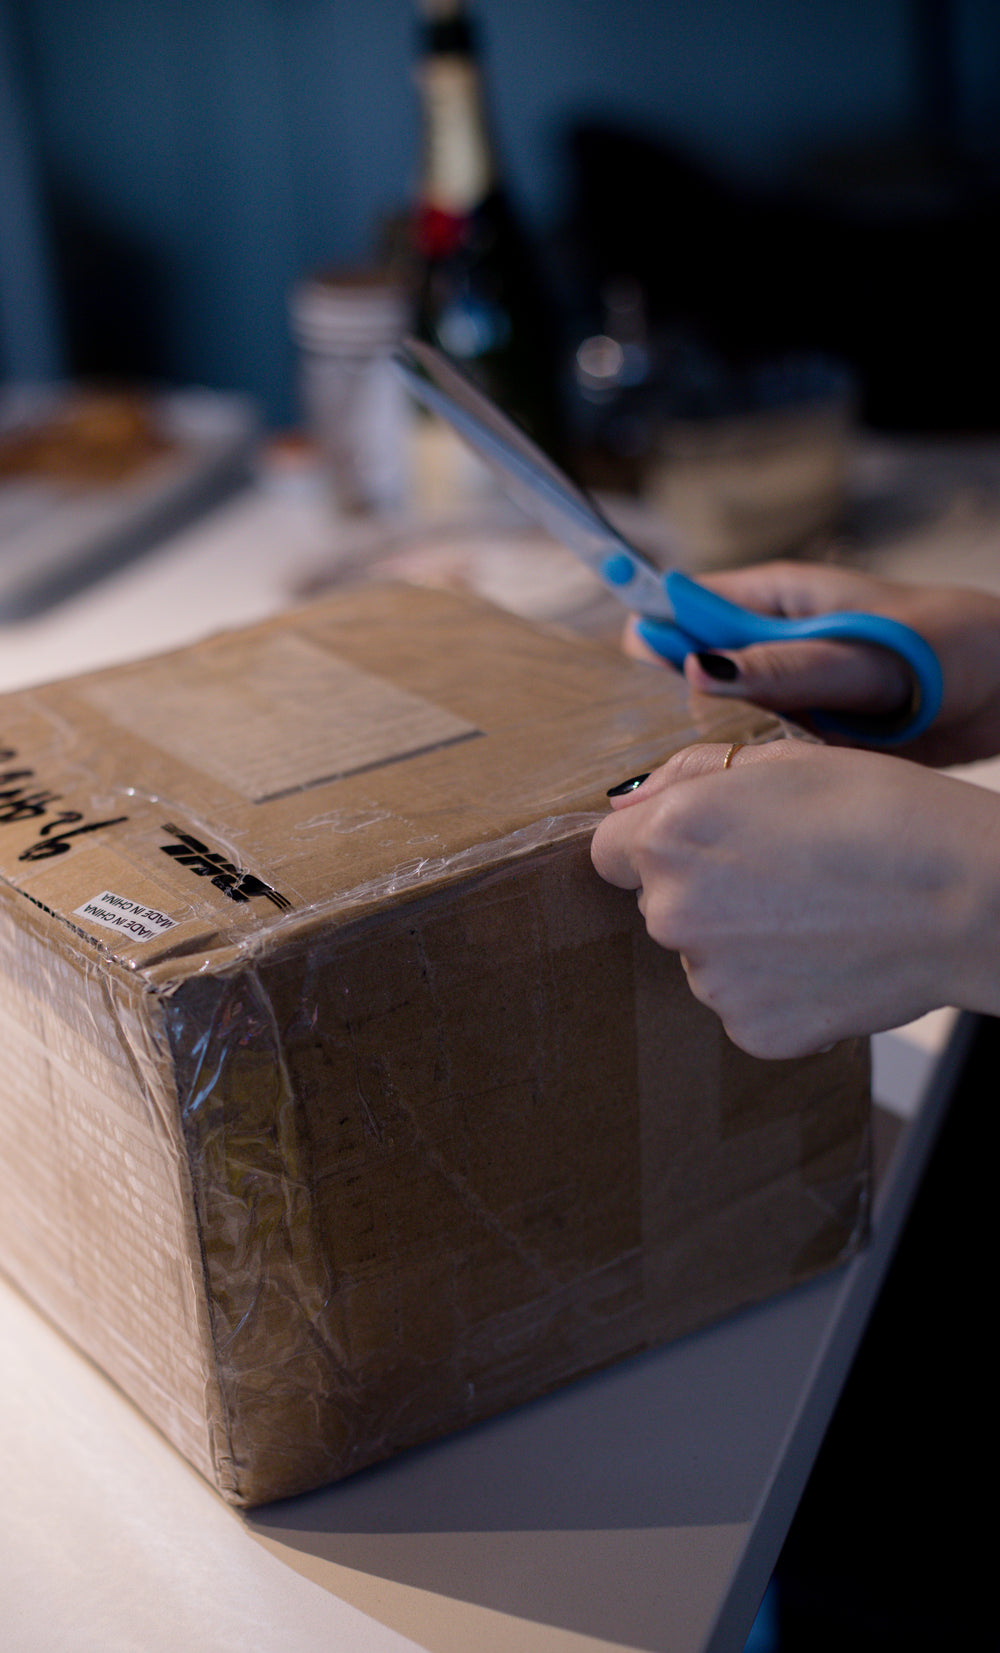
(757, 228)
(774, 173)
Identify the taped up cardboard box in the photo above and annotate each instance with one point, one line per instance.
(342, 1103)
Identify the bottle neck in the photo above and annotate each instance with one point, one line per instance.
(458, 163)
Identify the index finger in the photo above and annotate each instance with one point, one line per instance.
(616, 847)
(700, 758)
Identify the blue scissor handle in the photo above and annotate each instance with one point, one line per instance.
(704, 620)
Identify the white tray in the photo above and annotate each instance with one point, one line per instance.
(56, 537)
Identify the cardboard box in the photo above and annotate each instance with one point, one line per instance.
(343, 1104)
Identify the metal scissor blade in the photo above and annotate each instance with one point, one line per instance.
(532, 479)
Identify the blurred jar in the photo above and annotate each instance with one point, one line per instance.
(346, 325)
(765, 478)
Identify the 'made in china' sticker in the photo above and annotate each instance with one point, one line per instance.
(129, 918)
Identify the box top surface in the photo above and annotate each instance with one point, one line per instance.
(316, 767)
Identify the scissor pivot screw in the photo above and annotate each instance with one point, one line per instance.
(619, 569)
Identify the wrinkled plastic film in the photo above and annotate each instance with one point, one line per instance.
(345, 1102)
(96, 1216)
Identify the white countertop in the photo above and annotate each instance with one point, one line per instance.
(642, 1508)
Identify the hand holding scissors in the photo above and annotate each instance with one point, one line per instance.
(684, 617)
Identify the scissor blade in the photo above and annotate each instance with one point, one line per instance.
(532, 479)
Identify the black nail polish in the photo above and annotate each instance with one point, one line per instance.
(627, 786)
(718, 666)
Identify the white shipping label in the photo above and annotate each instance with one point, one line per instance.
(129, 918)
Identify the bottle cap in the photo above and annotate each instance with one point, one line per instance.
(444, 28)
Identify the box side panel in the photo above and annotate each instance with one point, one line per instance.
(756, 1175)
(95, 1221)
(456, 1157)
(486, 1213)
(417, 1163)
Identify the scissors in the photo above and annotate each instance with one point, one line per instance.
(683, 616)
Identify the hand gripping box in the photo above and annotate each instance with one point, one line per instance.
(342, 1103)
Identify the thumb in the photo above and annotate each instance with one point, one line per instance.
(805, 676)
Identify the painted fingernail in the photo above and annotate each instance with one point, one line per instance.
(719, 666)
(627, 786)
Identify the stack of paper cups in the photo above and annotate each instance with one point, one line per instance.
(346, 326)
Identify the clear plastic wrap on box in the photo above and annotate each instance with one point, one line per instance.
(344, 1104)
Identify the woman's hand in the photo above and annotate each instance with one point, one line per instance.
(962, 626)
(814, 894)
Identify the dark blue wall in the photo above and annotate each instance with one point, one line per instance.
(198, 155)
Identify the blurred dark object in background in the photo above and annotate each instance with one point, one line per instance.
(477, 292)
(116, 302)
(883, 258)
(182, 168)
